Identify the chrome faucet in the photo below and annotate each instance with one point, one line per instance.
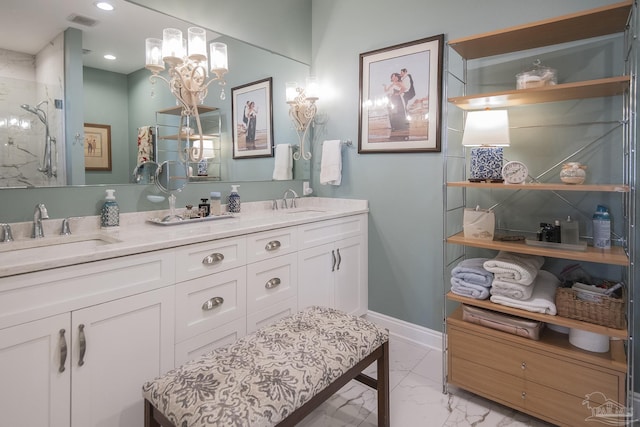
(39, 213)
(6, 233)
(286, 205)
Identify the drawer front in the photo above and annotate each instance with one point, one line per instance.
(31, 296)
(271, 314)
(270, 244)
(208, 302)
(211, 257)
(319, 233)
(532, 365)
(271, 281)
(210, 340)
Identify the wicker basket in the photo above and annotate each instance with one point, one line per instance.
(608, 311)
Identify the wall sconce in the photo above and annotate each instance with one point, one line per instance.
(188, 72)
(302, 110)
(488, 132)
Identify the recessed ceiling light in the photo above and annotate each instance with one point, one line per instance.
(109, 57)
(104, 5)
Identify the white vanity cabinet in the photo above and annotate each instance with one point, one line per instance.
(332, 264)
(91, 334)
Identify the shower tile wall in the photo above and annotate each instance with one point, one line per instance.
(21, 82)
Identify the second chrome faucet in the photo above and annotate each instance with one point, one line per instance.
(39, 213)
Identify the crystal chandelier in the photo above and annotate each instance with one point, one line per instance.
(302, 110)
(188, 77)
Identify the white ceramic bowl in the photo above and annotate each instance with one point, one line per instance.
(589, 341)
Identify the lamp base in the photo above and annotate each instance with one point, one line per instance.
(486, 163)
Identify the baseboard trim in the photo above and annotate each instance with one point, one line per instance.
(408, 331)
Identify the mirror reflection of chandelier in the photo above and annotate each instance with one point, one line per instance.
(188, 74)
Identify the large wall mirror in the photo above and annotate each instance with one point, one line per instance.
(42, 114)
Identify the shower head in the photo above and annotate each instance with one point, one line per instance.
(37, 111)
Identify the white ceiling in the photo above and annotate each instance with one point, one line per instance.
(28, 25)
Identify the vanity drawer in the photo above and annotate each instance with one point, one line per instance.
(271, 281)
(530, 362)
(31, 296)
(208, 341)
(211, 257)
(205, 303)
(319, 233)
(271, 314)
(270, 244)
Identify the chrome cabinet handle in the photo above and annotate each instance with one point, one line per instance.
(83, 344)
(523, 395)
(523, 365)
(333, 257)
(213, 258)
(339, 259)
(273, 283)
(212, 303)
(63, 351)
(272, 245)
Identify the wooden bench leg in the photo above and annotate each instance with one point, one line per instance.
(153, 417)
(383, 387)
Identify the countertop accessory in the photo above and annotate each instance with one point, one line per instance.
(162, 221)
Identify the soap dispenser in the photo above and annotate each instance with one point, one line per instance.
(110, 212)
(233, 204)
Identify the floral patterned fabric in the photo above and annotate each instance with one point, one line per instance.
(262, 378)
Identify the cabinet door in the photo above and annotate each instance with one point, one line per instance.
(315, 284)
(34, 392)
(117, 346)
(351, 276)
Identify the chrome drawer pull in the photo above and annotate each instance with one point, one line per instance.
(83, 344)
(523, 365)
(524, 395)
(63, 351)
(273, 283)
(212, 303)
(272, 245)
(213, 258)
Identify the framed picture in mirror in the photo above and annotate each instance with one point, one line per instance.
(401, 97)
(97, 147)
(252, 120)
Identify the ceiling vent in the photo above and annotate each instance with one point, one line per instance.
(82, 20)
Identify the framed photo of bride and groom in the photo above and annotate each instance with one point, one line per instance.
(401, 97)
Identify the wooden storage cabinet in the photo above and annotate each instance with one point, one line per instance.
(550, 378)
(533, 376)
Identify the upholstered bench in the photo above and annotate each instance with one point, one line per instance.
(275, 376)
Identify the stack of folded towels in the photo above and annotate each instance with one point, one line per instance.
(470, 279)
(518, 282)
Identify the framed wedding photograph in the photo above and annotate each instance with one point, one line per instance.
(401, 98)
(97, 147)
(252, 120)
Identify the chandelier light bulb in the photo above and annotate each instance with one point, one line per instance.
(172, 47)
(153, 55)
(197, 44)
(219, 61)
(291, 89)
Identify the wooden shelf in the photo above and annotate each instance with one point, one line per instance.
(614, 256)
(546, 318)
(610, 86)
(554, 342)
(612, 188)
(176, 111)
(597, 22)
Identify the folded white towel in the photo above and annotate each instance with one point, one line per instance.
(282, 169)
(331, 163)
(470, 290)
(471, 270)
(542, 299)
(516, 268)
(511, 290)
(145, 144)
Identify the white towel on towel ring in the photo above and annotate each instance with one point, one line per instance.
(331, 163)
(283, 163)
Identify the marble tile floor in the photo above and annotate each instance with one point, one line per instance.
(416, 398)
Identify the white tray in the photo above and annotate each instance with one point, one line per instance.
(582, 246)
(175, 221)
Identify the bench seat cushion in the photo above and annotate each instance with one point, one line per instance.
(262, 378)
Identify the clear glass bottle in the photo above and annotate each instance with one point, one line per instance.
(215, 208)
(570, 231)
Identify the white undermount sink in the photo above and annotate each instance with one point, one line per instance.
(56, 245)
(307, 211)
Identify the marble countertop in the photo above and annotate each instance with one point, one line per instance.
(137, 234)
